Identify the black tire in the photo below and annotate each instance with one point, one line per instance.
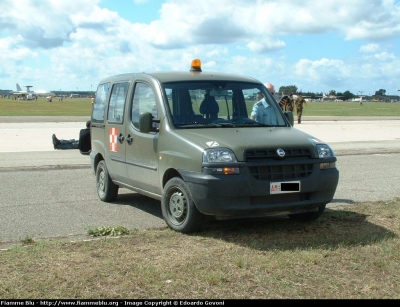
(178, 208)
(308, 216)
(106, 189)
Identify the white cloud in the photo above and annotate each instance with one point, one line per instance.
(265, 45)
(81, 42)
(324, 71)
(369, 48)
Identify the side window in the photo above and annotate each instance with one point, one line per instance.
(99, 103)
(143, 101)
(117, 102)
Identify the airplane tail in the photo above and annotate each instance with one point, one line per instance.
(18, 88)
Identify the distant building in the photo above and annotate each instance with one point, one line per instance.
(385, 98)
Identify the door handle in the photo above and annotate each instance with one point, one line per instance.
(129, 139)
(120, 138)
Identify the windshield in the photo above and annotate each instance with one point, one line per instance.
(222, 104)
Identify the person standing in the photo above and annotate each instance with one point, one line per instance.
(289, 107)
(262, 112)
(300, 101)
(270, 87)
(282, 103)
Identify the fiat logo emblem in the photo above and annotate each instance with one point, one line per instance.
(280, 152)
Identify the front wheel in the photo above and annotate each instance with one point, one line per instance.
(106, 189)
(308, 216)
(178, 208)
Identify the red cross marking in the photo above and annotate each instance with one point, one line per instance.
(113, 139)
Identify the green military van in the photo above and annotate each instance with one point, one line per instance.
(187, 138)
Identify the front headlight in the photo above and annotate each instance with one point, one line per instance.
(324, 151)
(219, 156)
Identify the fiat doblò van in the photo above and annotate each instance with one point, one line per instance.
(187, 138)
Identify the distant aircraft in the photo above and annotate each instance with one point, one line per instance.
(330, 97)
(28, 94)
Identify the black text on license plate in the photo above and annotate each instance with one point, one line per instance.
(284, 187)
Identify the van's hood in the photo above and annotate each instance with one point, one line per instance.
(239, 139)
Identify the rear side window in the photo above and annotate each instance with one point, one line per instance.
(100, 100)
(117, 102)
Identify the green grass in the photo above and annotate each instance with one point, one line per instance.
(351, 109)
(66, 107)
(83, 107)
(351, 252)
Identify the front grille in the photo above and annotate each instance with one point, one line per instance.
(281, 172)
(292, 166)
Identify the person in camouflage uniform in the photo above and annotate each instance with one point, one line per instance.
(299, 106)
(283, 101)
(290, 103)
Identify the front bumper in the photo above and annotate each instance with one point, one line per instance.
(242, 195)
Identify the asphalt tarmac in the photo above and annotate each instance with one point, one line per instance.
(346, 135)
(50, 193)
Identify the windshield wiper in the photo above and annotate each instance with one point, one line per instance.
(205, 125)
(221, 125)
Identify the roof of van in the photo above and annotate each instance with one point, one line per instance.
(173, 76)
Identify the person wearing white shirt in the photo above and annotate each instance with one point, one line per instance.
(262, 112)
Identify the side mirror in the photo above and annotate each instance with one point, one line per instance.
(146, 121)
(290, 117)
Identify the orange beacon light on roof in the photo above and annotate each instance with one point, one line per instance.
(196, 65)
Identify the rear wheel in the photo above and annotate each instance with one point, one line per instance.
(106, 189)
(178, 208)
(308, 216)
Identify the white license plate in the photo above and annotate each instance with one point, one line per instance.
(284, 187)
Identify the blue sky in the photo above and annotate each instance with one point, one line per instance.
(316, 45)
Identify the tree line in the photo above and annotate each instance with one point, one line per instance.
(347, 95)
